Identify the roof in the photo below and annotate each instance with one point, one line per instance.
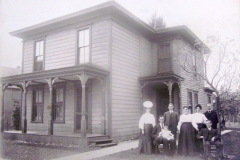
(104, 8)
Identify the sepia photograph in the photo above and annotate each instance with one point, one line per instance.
(120, 79)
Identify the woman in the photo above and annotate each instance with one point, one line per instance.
(146, 124)
(198, 123)
(186, 145)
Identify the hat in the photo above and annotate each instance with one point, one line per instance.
(185, 107)
(147, 104)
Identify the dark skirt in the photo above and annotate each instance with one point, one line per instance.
(186, 143)
(145, 140)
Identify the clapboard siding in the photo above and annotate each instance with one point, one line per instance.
(154, 58)
(96, 107)
(63, 44)
(125, 85)
(190, 82)
(145, 57)
(100, 41)
(28, 56)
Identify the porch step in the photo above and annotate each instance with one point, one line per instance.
(101, 141)
(106, 145)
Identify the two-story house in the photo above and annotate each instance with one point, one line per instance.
(90, 71)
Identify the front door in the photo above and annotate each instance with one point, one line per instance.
(78, 110)
(162, 101)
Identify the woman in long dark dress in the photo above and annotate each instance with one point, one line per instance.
(146, 124)
(186, 143)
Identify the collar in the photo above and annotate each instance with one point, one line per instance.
(209, 128)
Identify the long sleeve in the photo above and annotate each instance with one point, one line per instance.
(146, 118)
(141, 122)
(179, 123)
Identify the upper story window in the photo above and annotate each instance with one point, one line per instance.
(164, 58)
(83, 46)
(58, 102)
(37, 104)
(38, 57)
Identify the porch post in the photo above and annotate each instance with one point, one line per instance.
(169, 84)
(2, 119)
(24, 104)
(24, 128)
(83, 78)
(103, 122)
(50, 121)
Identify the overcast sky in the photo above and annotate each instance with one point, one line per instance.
(203, 17)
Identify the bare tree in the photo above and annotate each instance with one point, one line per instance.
(219, 62)
(156, 22)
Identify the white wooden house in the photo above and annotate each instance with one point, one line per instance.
(89, 72)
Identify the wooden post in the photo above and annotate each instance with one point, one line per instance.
(50, 121)
(2, 114)
(83, 78)
(24, 128)
(103, 122)
(169, 84)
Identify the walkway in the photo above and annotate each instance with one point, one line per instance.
(124, 146)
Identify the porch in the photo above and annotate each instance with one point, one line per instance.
(44, 106)
(162, 89)
(71, 139)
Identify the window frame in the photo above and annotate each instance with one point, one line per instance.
(34, 53)
(55, 87)
(78, 30)
(37, 88)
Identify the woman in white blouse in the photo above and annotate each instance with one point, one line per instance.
(146, 124)
(186, 143)
(198, 123)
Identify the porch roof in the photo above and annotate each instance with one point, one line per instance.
(67, 73)
(161, 78)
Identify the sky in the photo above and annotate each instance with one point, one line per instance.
(204, 17)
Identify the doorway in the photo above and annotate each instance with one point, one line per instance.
(162, 101)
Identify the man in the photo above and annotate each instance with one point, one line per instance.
(159, 139)
(212, 116)
(210, 136)
(171, 119)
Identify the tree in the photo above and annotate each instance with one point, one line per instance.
(219, 62)
(156, 22)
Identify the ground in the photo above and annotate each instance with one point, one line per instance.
(19, 151)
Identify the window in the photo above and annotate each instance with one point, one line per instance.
(164, 58)
(83, 46)
(38, 58)
(194, 64)
(58, 104)
(190, 102)
(209, 98)
(37, 109)
(192, 99)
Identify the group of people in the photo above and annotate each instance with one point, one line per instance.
(192, 128)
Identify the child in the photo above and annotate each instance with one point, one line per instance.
(165, 133)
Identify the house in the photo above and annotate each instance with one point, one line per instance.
(12, 96)
(90, 71)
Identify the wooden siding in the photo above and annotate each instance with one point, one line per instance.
(96, 107)
(28, 51)
(154, 58)
(190, 82)
(126, 95)
(100, 43)
(145, 57)
(60, 50)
